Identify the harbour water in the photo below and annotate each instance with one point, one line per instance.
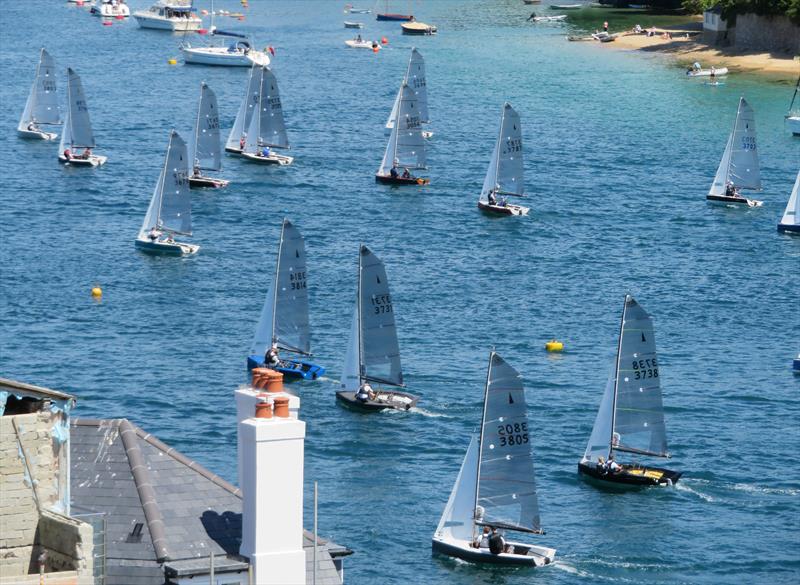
(620, 151)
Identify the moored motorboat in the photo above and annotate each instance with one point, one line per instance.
(790, 222)
(172, 15)
(111, 9)
(406, 147)
(394, 17)
(373, 352)
(359, 43)
(349, 8)
(349, 24)
(267, 130)
(418, 28)
(205, 152)
(284, 325)
(250, 103)
(77, 132)
(631, 414)
(793, 116)
(236, 51)
(739, 168)
(548, 18)
(41, 108)
(496, 485)
(170, 210)
(566, 6)
(604, 36)
(416, 80)
(505, 176)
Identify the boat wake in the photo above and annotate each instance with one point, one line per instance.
(428, 413)
(683, 487)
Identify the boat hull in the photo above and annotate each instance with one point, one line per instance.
(202, 182)
(533, 556)
(392, 400)
(418, 29)
(291, 368)
(707, 72)
(37, 134)
(221, 57)
(353, 44)
(390, 180)
(793, 122)
(233, 150)
(109, 11)
(92, 161)
(630, 477)
(787, 228)
(394, 17)
(507, 209)
(353, 25)
(272, 159)
(166, 248)
(144, 20)
(733, 201)
(796, 365)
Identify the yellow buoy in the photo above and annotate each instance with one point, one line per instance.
(173, 61)
(97, 292)
(554, 345)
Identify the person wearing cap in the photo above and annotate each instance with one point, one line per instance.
(271, 358)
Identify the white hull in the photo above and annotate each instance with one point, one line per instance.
(109, 11)
(550, 18)
(793, 123)
(148, 20)
(37, 134)
(93, 161)
(707, 72)
(221, 56)
(272, 159)
(535, 556)
(353, 44)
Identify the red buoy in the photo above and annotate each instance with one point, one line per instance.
(384, 41)
(107, 23)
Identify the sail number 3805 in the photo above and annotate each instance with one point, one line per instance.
(513, 434)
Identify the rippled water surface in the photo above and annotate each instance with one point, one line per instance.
(620, 150)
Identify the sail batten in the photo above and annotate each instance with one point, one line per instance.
(506, 174)
(205, 152)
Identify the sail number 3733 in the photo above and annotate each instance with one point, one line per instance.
(513, 434)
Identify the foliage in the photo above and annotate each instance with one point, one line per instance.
(730, 8)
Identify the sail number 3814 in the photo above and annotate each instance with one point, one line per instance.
(513, 434)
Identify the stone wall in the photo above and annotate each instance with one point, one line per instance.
(764, 33)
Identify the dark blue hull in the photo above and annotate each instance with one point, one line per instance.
(289, 368)
(796, 365)
(787, 228)
(394, 17)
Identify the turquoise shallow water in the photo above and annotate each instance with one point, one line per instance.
(620, 150)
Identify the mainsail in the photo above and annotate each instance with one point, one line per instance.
(739, 163)
(406, 147)
(204, 149)
(506, 171)
(415, 79)
(458, 518)
(506, 488)
(272, 130)
(77, 126)
(284, 317)
(250, 102)
(600, 440)
(171, 206)
(351, 374)
(791, 216)
(42, 104)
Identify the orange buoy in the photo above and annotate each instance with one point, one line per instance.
(375, 49)
(107, 23)
(384, 41)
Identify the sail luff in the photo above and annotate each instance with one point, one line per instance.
(152, 217)
(359, 323)
(81, 131)
(25, 119)
(721, 177)
(242, 122)
(66, 131)
(791, 215)
(272, 127)
(480, 439)
(616, 375)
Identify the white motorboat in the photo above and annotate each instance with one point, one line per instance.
(549, 18)
(111, 9)
(566, 6)
(349, 24)
(405, 149)
(359, 43)
(739, 168)
(42, 105)
(793, 117)
(418, 28)
(205, 150)
(267, 130)
(496, 486)
(505, 176)
(790, 222)
(173, 15)
(235, 51)
(415, 78)
(696, 71)
(170, 210)
(77, 132)
(250, 101)
(350, 9)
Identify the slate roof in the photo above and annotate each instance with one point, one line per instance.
(186, 512)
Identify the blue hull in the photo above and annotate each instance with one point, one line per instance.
(796, 365)
(394, 17)
(289, 368)
(788, 228)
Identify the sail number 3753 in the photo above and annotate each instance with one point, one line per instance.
(513, 434)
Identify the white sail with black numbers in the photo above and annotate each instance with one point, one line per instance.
(204, 149)
(380, 351)
(638, 406)
(406, 147)
(506, 483)
(249, 104)
(77, 126)
(171, 206)
(791, 215)
(42, 104)
(458, 518)
(506, 174)
(739, 164)
(272, 131)
(415, 79)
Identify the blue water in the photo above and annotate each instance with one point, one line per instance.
(620, 150)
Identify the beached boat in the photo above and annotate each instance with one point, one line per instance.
(496, 486)
(267, 130)
(548, 18)
(110, 9)
(790, 222)
(250, 102)
(713, 72)
(41, 109)
(793, 117)
(566, 6)
(170, 210)
(604, 36)
(531, 1)
(739, 168)
(406, 147)
(77, 132)
(284, 325)
(418, 28)
(630, 419)
(235, 50)
(359, 43)
(173, 15)
(205, 150)
(415, 78)
(350, 24)
(505, 176)
(373, 353)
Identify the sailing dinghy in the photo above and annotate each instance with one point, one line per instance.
(496, 486)
(406, 147)
(77, 132)
(793, 116)
(283, 325)
(739, 168)
(631, 414)
(170, 210)
(790, 222)
(506, 174)
(267, 130)
(42, 105)
(415, 78)
(205, 150)
(252, 97)
(373, 353)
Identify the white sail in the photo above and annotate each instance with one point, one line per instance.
(251, 143)
(77, 126)
(791, 216)
(721, 178)
(395, 106)
(380, 351)
(406, 147)
(415, 79)
(249, 103)
(272, 125)
(42, 104)
(506, 483)
(351, 377)
(600, 440)
(744, 169)
(457, 521)
(171, 206)
(506, 169)
(205, 151)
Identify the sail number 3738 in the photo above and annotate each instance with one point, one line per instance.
(647, 368)
(516, 434)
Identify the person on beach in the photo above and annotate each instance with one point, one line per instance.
(605, 26)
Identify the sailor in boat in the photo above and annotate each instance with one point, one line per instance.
(393, 171)
(242, 141)
(491, 197)
(365, 393)
(483, 539)
(497, 544)
(731, 190)
(67, 154)
(154, 234)
(406, 173)
(265, 152)
(532, 16)
(359, 39)
(271, 358)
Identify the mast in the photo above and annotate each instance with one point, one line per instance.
(358, 318)
(616, 378)
(480, 441)
(197, 124)
(36, 85)
(497, 150)
(275, 286)
(794, 97)
(69, 108)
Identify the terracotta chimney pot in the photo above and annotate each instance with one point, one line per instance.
(282, 406)
(274, 383)
(263, 406)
